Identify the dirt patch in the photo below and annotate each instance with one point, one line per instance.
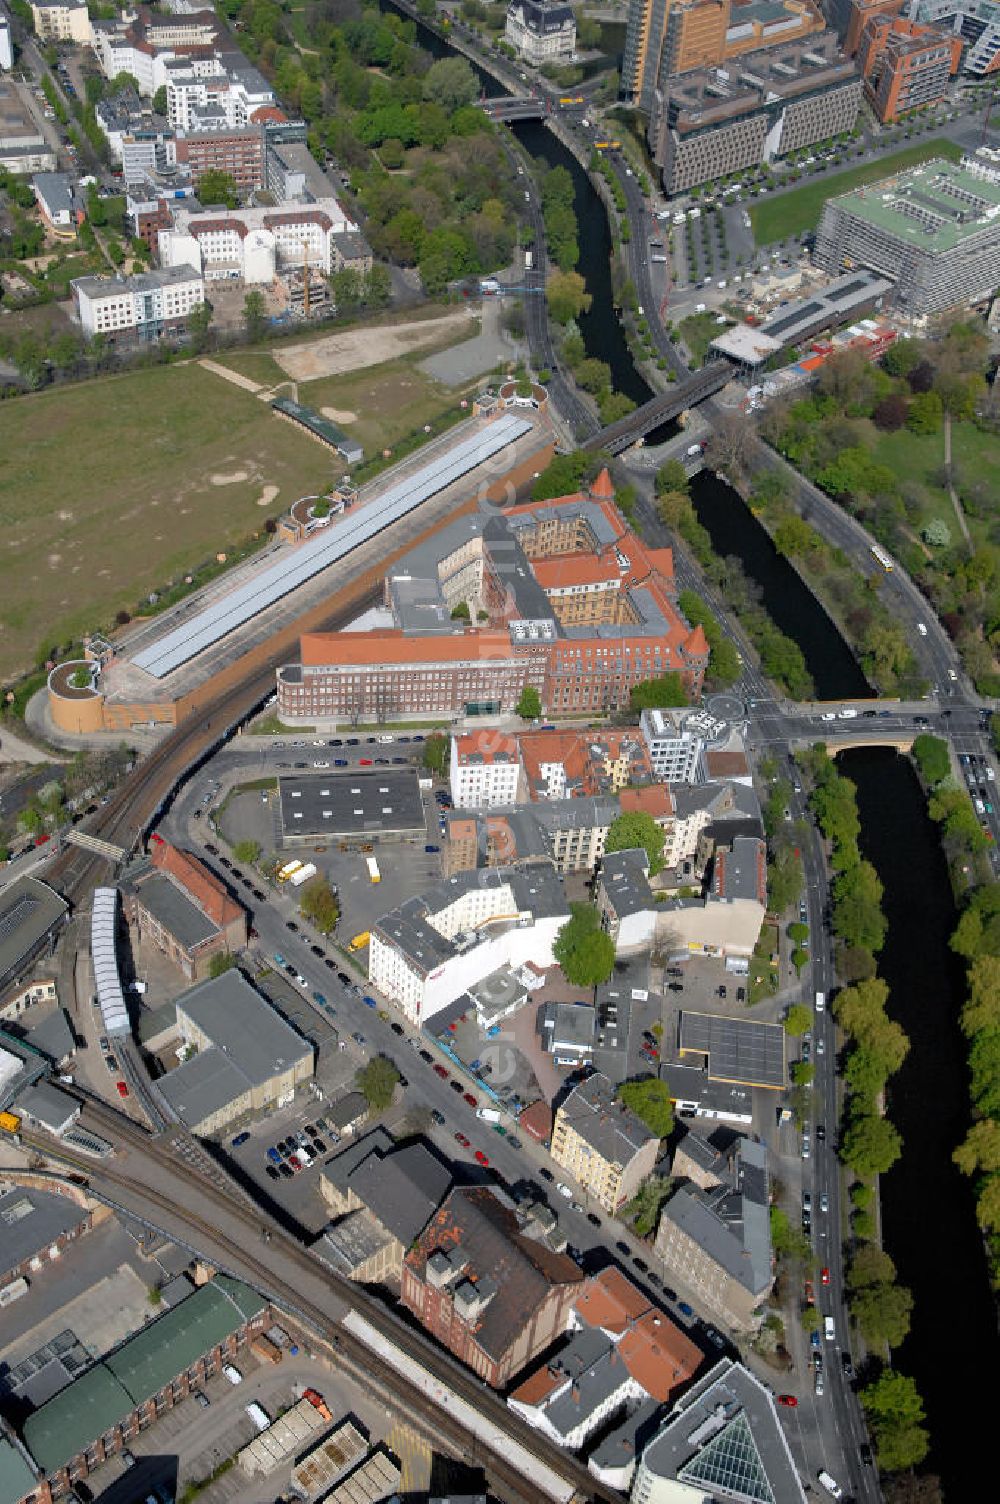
(267, 496)
(232, 479)
(339, 414)
(359, 348)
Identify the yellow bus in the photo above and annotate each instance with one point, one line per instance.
(360, 941)
(9, 1122)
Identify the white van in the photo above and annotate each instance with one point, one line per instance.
(258, 1415)
(232, 1374)
(821, 1002)
(830, 1484)
(829, 1331)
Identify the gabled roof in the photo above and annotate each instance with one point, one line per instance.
(201, 886)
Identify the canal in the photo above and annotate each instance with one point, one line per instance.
(928, 1214)
(928, 1209)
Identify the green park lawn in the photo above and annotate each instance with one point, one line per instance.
(916, 460)
(783, 214)
(106, 494)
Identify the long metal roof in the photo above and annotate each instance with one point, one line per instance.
(103, 924)
(223, 616)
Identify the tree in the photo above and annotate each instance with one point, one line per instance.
(567, 296)
(658, 694)
(980, 1149)
(784, 880)
(891, 413)
(220, 964)
(585, 953)
(871, 1145)
(255, 313)
(857, 912)
(436, 753)
(159, 100)
(672, 477)
(460, 612)
(347, 288)
(247, 852)
(377, 1081)
(869, 1266)
(810, 1319)
(318, 903)
(803, 1073)
(798, 1019)
(634, 832)
(931, 756)
(858, 1009)
(450, 83)
(982, 1010)
(529, 706)
(198, 322)
(789, 1242)
(895, 1413)
(650, 1101)
(644, 1208)
(882, 1313)
(218, 187)
(925, 413)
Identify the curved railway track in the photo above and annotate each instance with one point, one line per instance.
(133, 805)
(209, 1240)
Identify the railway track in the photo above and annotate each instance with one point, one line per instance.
(207, 1239)
(131, 808)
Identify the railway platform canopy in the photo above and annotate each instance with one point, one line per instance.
(160, 665)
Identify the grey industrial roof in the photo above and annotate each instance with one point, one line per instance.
(494, 995)
(738, 1049)
(297, 565)
(48, 1105)
(16, 1478)
(716, 1099)
(402, 1189)
(339, 1168)
(203, 1085)
(175, 912)
(30, 1220)
(359, 802)
(725, 1441)
(568, 1026)
(51, 1033)
(96, 287)
(347, 1109)
(353, 1240)
(603, 1122)
(830, 306)
(56, 189)
(29, 910)
(620, 1447)
(243, 1024)
(20, 1065)
(592, 1372)
(624, 882)
(731, 1222)
(739, 871)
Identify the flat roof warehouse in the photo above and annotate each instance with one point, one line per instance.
(351, 804)
(288, 573)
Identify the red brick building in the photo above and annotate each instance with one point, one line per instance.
(905, 66)
(576, 606)
(184, 910)
(239, 152)
(488, 1292)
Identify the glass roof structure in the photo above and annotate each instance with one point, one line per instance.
(731, 1464)
(294, 568)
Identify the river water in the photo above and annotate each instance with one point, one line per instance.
(929, 1226)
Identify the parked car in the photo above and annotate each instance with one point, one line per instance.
(241, 1138)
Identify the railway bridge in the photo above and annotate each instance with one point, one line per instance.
(681, 396)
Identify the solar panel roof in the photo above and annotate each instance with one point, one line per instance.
(301, 564)
(738, 1049)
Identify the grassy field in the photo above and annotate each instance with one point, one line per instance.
(390, 401)
(917, 458)
(106, 494)
(698, 331)
(784, 214)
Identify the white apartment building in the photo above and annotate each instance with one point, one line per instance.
(485, 770)
(145, 51)
(541, 31)
(202, 95)
(675, 750)
(61, 21)
(253, 245)
(145, 307)
(429, 952)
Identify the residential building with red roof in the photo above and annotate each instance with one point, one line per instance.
(485, 769)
